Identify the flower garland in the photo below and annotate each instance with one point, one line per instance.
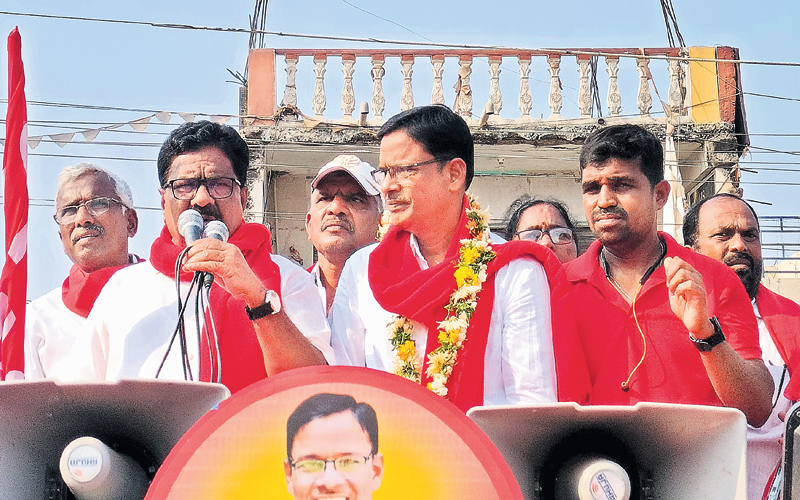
(470, 273)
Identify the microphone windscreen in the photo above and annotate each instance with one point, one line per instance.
(190, 225)
(217, 230)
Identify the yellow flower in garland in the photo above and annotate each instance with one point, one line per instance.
(470, 255)
(407, 350)
(470, 273)
(465, 275)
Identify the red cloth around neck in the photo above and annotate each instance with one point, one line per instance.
(240, 351)
(401, 287)
(80, 289)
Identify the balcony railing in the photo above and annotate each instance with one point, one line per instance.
(270, 94)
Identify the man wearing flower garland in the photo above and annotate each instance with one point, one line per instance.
(660, 322)
(437, 301)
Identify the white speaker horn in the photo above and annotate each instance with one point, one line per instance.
(671, 452)
(140, 419)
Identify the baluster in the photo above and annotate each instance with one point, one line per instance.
(348, 95)
(378, 101)
(676, 92)
(318, 102)
(464, 92)
(525, 99)
(290, 93)
(437, 96)
(407, 97)
(555, 100)
(584, 94)
(614, 98)
(494, 86)
(644, 99)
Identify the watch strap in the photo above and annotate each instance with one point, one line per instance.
(263, 310)
(707, 344)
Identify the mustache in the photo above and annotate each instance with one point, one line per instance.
(397, 197)
(613, 210)
(86, 228)
(209, 211)
(334, 219)
(730, 258)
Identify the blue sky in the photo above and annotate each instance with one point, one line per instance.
(179, 70)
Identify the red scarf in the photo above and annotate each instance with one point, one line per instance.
(242, 360)
(80, 289)
(401, 287)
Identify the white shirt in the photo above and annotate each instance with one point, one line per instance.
(323, 294)
(763, 449)
(519, 366)
(51, 330)
(134, 317)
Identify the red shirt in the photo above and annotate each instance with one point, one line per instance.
(672, 371)
(782, 318)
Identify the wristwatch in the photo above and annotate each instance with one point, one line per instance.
(271, 305)
(706, 344)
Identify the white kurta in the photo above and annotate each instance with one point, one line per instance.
(51, 330)
(763, 449)
(519, 365)
(134, 317)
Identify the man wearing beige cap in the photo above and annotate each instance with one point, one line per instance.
(343, 216)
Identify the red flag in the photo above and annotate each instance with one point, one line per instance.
(14, 280)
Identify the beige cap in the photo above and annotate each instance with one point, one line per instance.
(359, 170)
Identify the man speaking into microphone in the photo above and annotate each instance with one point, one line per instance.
(260, 316)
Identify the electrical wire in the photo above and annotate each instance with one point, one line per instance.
(250, 31)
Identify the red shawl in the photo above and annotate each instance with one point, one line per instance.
(80, 289)
(401, 287)
(782, 317)
(242, 360)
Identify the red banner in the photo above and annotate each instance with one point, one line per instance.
(13, 282)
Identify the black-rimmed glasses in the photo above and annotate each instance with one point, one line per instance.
(348, 463)
(218, 187)
(95, 207)
(401, 172)
(558, 235)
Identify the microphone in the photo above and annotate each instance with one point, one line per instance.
(217, 230)
(190, 225)
(93, 471)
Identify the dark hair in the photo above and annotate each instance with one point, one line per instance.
(514, 212)
(691, 220)
(194, 136)
(442, 133)
(324, 404)
(626, 142)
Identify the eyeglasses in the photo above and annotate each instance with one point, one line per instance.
(401, 172)
(558, 235)
(218, 188)
(348, 463)
(95, 207)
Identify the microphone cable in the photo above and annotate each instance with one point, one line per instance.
(180, 328)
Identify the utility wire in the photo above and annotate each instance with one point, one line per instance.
(387, 20)
(392, 42)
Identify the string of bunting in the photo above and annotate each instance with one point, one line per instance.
(139, 125)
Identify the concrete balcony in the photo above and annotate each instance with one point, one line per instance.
(528, 125)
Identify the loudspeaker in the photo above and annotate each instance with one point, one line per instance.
(665, 451)
(791, 455)
(141, 419)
